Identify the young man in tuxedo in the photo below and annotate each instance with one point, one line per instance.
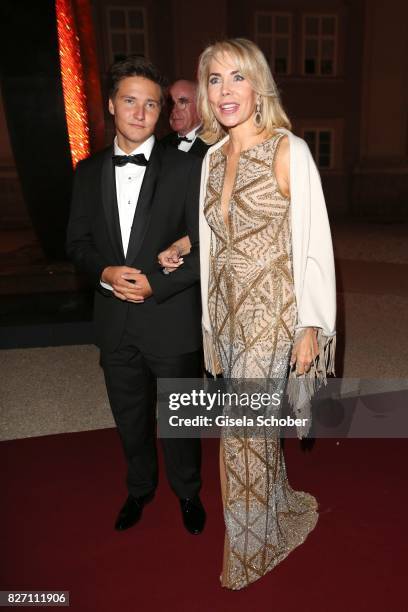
(184, 119)
(128, 203)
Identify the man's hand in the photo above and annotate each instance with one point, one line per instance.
(140, 284)
(128, 284)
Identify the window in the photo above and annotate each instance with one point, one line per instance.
(126, 31)
(320, 142)
(319, 45)
(273, 34)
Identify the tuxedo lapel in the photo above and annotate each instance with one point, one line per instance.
(143, 207)
(110, 205)
(199, 147)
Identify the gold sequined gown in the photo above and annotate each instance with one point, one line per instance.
(253, 315)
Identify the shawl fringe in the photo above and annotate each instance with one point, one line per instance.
(301, 388)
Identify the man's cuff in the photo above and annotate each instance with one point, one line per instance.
(160, 285)
(106, 285)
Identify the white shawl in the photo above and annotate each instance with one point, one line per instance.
(313, 266)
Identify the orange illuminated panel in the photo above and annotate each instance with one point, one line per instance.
(72, 82)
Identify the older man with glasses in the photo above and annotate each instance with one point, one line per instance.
(184, 119)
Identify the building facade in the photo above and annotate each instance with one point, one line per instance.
(341, 67)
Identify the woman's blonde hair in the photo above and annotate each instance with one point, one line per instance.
(253, 66)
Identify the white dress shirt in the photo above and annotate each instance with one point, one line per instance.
(186, 146)
(129, 180)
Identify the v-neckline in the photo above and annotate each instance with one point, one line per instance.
(240, 156)
(226, 221)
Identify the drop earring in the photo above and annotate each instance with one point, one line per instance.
(258, 114)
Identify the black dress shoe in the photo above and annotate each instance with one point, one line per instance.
(131, 512)
(193, 514)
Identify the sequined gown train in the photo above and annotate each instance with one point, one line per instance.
(253, 315)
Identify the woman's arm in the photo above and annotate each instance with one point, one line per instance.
(305, 348)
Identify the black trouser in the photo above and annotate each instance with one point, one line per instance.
(130, 378)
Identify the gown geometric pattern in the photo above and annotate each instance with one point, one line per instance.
(253, 315)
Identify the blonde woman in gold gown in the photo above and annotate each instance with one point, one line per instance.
(251, 298)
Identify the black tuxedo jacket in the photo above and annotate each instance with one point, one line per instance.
(168, 323)
(199, 147)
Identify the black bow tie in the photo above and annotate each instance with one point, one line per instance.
(183, 139)
(122, 160)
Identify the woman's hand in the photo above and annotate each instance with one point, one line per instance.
(305, 350)
(171, 258)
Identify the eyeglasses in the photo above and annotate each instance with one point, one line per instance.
(181, 103)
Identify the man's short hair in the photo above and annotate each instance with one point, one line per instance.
(134, 65)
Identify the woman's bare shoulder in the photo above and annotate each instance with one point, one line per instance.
(283, 147)
(282, 165)
(282, 156)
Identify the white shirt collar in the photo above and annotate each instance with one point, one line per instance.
(193, 133)
(145, 148)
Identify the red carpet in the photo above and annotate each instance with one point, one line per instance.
(61, 495)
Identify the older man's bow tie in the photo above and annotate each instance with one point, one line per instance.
(122, 160)
(183, 139)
